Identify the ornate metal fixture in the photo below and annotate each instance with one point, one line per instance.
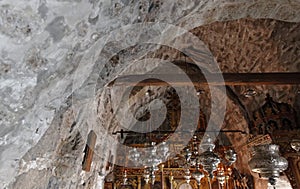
(221, 176)
(202, 165)
(125, 178)
(230, 156)
(250, 93)
(267, 162)
(199, 159)
(198, 175)
(209, 164)
(152, 157)
(208, 159)
(187, 175)
(295, 144)
(277, 123)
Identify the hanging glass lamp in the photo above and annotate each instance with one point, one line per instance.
(267, 162)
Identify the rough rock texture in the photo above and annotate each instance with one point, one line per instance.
(253, 45)
(52, 75)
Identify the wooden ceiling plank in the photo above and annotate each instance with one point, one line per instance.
(271, 78)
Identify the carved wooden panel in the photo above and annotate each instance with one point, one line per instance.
(108, 185)
(273, 116)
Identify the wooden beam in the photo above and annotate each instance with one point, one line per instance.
(89, 151)
(271, 78)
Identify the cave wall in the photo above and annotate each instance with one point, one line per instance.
(52, 73)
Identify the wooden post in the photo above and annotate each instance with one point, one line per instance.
(162, 176)
(139, 183)
(171, 180)
(89, 151)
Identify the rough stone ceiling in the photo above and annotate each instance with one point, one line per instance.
(260, 45)
(46, 45)
(253, 45)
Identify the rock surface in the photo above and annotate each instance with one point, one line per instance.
(57, 57)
